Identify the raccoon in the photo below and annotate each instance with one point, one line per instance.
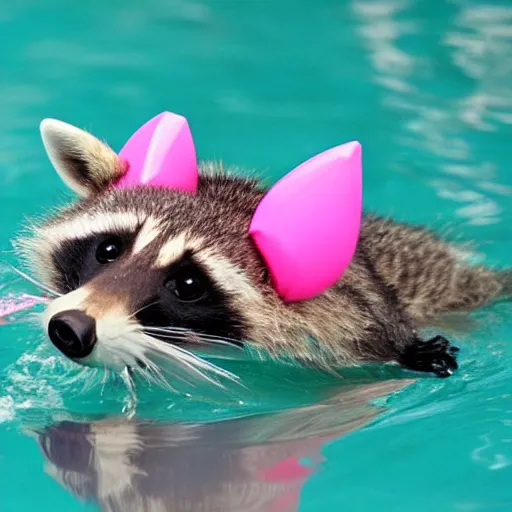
(147, 265)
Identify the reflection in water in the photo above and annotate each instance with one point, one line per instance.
(481, 43)
(255, 464)
(436, 119)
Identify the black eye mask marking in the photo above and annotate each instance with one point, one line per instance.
(188, 298)
(77, 261)
(182, 295)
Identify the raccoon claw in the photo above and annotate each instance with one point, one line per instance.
(436, 356)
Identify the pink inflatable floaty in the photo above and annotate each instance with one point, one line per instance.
(161, 153)
(307, 225)
(15, 303)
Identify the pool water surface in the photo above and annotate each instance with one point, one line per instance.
(426, 87)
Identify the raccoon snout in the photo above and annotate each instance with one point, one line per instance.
(73, 333)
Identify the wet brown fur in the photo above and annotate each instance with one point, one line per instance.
(401, 277)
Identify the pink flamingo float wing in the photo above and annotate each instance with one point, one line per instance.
(16, 303)
(307, 225)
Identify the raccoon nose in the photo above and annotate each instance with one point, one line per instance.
(73, 333)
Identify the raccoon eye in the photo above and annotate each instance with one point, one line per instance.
(189, 285)
(108, 250)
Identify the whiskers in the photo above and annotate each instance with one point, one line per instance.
(193, 366)
(136, 352)
(165, 364)
(51, 292)
(182, 334)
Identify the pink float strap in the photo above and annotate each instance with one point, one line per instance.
(307, 225)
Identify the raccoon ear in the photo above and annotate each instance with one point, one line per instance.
(84, 163)
(307, 225)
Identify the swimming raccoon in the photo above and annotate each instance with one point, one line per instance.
(150, 265)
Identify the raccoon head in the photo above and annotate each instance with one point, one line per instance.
(141, 263)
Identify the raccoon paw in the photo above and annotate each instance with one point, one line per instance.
(436, 356)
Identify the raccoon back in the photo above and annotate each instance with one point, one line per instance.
(429, 274)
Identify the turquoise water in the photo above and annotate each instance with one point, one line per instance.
(426, 87)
